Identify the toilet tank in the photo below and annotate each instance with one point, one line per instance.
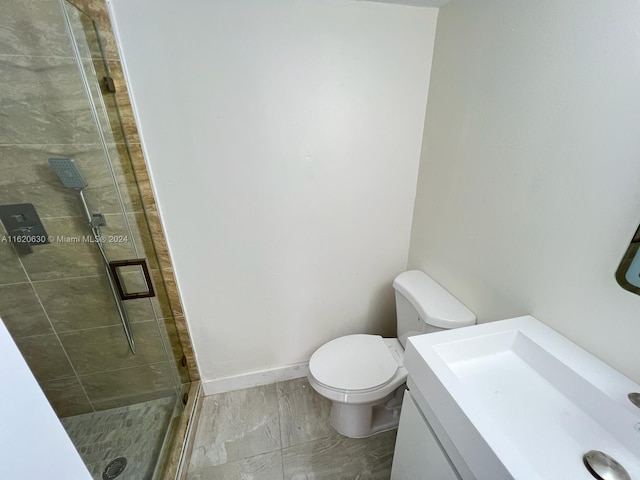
(424, 306)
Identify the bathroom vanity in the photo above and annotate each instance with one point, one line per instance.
(514, 400)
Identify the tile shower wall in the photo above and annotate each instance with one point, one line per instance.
(56, 302)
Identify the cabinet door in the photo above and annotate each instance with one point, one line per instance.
(418, 454)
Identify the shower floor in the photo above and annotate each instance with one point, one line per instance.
(135, 432)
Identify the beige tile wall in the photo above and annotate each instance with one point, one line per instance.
(56, 302)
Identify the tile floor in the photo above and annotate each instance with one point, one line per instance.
(281, 432)
(135, 432)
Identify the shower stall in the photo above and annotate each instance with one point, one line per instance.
(86, 284)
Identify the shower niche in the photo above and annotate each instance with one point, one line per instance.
(93, 306)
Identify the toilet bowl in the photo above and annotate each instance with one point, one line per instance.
(364, 375)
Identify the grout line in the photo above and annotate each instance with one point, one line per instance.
(53, 329)
(278, 400)
(15, 283)
(67, 278)
(140, 322)
(30, 145)
(59, 217)
(55, 332)
(127, 368)
(83, 144)
(21, 55)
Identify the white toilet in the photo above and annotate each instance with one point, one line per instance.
(364, 375)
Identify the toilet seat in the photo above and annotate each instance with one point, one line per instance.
(354, 363)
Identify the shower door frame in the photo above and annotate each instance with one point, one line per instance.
(176, 451)
(97, 11)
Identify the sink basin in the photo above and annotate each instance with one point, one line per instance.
(519, 400)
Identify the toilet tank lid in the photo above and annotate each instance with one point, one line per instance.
(435, 305)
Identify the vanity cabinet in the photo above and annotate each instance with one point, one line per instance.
(418, 453)
(513, 399)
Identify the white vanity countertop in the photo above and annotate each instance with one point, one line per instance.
(519, 400)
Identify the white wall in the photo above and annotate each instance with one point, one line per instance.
(529, 187)
(283, 140)
(33, 443)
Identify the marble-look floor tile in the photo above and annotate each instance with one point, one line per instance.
(227, 419)
(341, 458)
(304, 414)
(267, 466)
(135, 432)
(236, 425)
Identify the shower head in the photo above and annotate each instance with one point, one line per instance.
(68, 172)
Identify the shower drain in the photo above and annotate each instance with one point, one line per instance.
(115, 468)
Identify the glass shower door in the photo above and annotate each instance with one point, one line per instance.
(57, 297)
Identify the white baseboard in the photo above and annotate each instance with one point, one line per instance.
(254, 379)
